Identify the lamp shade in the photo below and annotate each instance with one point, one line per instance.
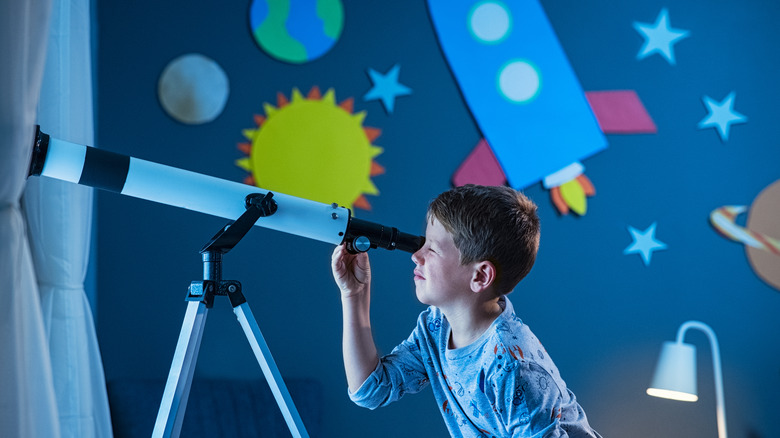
(675, 373)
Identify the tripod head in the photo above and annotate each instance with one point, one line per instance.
(257, 206)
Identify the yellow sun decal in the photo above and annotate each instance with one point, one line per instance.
(312, 148)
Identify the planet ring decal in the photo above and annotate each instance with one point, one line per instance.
(724, 220)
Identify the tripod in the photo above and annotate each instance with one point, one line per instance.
(200, 297)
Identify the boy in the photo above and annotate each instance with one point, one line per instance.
(489, 374)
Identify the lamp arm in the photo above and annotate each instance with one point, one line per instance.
(719, 399)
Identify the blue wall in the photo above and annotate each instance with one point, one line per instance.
(602, 315)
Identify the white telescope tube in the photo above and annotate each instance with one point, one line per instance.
(206, 194)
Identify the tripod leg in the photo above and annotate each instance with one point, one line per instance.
(270, 370)
(177, 388)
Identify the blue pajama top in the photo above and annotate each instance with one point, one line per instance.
(502, 385)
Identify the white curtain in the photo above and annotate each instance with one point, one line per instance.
(59, 218)
(27, 402)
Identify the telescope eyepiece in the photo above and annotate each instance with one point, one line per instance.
(363, 235)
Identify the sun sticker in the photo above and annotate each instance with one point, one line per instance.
(313, 148)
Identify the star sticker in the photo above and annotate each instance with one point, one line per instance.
(721, 115)
(386, 87)
(659, 37)
(644, 243)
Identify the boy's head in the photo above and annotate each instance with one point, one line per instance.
(493, 223)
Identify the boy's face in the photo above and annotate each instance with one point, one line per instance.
(438, 275)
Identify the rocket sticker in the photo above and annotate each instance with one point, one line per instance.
(536, 120)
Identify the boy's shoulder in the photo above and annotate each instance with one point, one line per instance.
(512, 343)
(512, 336)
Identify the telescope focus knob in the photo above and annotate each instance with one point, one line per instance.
(361, 244)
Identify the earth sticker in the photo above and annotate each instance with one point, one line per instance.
(296, 31)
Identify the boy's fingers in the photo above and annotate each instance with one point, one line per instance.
(338, 254)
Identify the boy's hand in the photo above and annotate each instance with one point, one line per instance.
(352, 272)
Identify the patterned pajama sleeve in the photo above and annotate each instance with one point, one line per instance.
(397, 373)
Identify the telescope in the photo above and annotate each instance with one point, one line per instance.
(244, 206)
(168, 185)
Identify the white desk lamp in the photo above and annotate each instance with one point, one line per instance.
(675, 374)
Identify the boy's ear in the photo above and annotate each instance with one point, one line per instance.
(483, 277)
